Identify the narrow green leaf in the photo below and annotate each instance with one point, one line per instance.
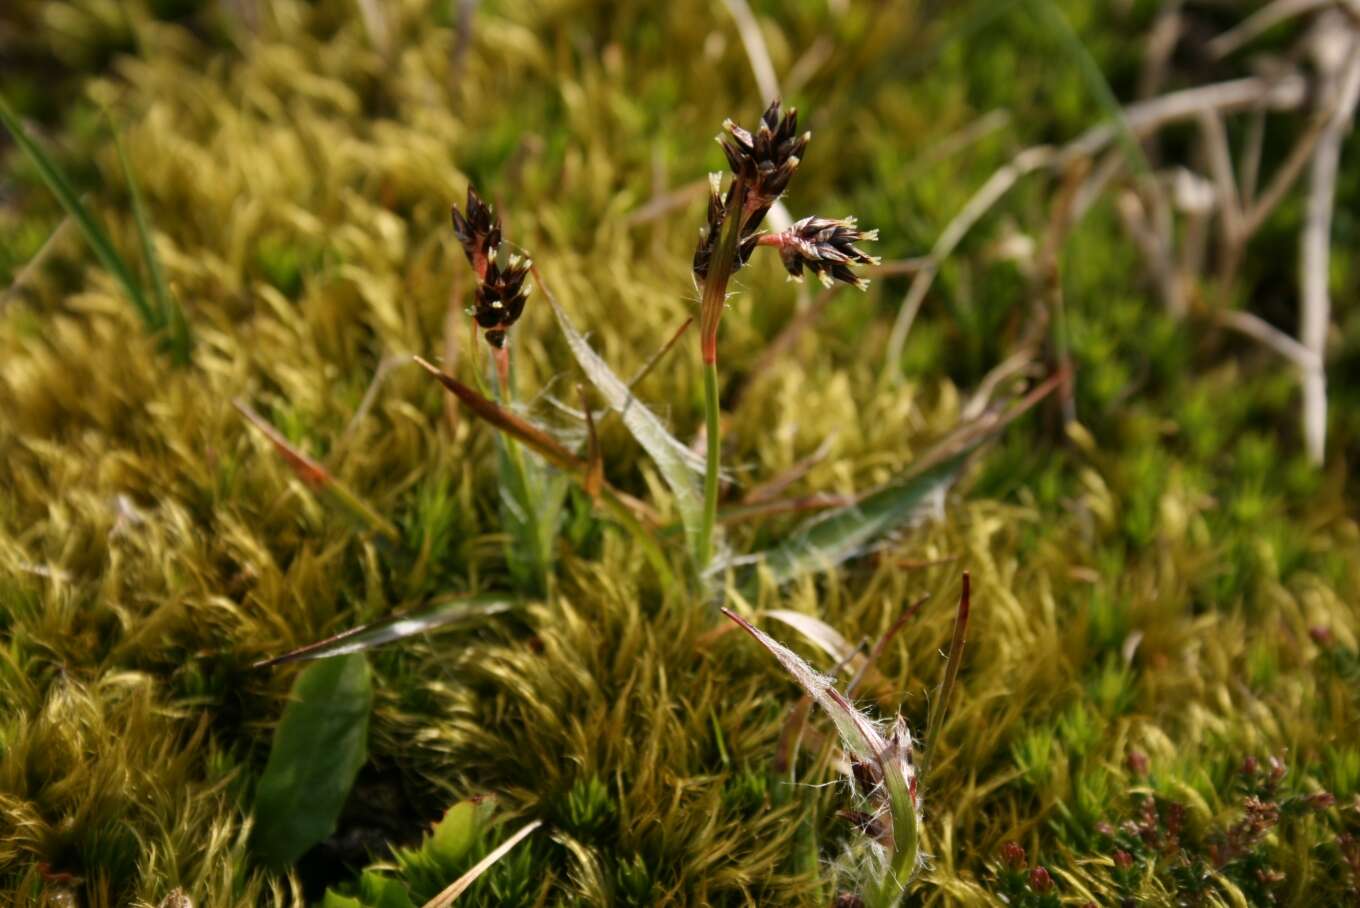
(319, 746)
(846, 532)
(1095, 80)
(939, 708)
(370, 636)
(170, 313)
(635, 515)
(531, 499)
(94, 232)
(679, 466)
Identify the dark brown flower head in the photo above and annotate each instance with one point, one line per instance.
(501, 297)
(712, 230)
(479, 231)
(826, 247)
(501, 277)
(766, 159)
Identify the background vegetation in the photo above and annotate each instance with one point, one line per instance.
(1159, 698)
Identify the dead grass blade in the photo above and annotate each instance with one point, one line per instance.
(594, 478)
(399, 627)
(317, 477)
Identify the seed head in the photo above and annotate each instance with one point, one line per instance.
(479, 231)
(501, 287)
(826, 247)
(501, 297)
(765, 160)
(718, 205)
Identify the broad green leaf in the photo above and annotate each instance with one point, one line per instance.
(679, 466)
(375, 891)
(319, 746)
(369, 636)
(458, 833)
(846, 532)
(95, 235)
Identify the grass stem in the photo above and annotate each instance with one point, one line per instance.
(521, 489)
(704, 553)
(951, 674)
(711, 308)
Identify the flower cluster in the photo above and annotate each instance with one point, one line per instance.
(826, 247)
(502, 289)
(763, 162)
(762, 165)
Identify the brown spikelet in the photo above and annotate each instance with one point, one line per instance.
(826, 247)
(502, 287)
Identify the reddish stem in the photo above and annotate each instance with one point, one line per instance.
(503, 373)
(720, 271)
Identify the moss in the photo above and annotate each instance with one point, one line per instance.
(1160, 595)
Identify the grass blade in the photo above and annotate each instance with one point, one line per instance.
(94, 232)
(886, 759)
(550, 448)
(464, 882)
(636, 516)
(400, 627)
(951, 673)
(170, 313)
(862, 738)
(317, 477)
(318, 748)
(531, 500)
(678, 465)
(844, 533)
(816, 631)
